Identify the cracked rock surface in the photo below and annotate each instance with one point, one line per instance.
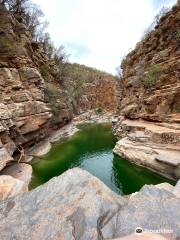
(76, 205)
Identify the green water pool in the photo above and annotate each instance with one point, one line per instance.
(91, 149)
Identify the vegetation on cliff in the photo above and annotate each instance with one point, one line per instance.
(149, 116)
(150, 78)
(40, 89)
(73, 78)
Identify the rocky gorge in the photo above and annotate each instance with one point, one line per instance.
(33, 100)
(37, 109)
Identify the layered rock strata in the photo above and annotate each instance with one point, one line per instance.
(148, 126)
(100, 95)
(23, 111)
(27, 114)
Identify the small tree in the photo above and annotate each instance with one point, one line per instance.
(44, 72)
(15, 6)
(47, 45)
(32, 20)
(151, 77)
(52, 95)
(156, 21)
(27, 12)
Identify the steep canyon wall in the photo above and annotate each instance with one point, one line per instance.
(33, 99)
(148, 125)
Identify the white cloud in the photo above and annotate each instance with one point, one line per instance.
(99, 33)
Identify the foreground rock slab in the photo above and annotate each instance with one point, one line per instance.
(76, 205)
(153, 209)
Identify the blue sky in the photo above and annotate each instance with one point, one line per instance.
(99, 33)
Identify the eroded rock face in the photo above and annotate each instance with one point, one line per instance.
(100, 94)
(21, 113)
(150, 144)
(77, 205)
(149, 116)
(25, 113)
(31, 106)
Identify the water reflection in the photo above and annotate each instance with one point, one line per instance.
(91, 149)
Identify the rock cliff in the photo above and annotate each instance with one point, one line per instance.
(148, 125)
(96, 89)
(76, 205)
(23, 112)
(33, 100)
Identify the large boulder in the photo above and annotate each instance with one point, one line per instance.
(10, 187)
(77, 205)
(20, 171)
(4, 157)
(153, 209)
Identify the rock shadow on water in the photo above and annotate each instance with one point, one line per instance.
(91, 149)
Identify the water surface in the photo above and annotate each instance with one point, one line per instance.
(91, 149)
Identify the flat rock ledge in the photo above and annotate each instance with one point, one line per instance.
(40, 149)
(66, 131)
(153, 145)
(76, 205)
(92, 116)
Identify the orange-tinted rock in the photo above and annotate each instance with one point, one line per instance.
(150, 91)
(27, 114)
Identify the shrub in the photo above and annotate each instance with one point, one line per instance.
(52, 96)
(7, 46)
(45, 72)
(99, 111)
(178, 34)
(150, 78)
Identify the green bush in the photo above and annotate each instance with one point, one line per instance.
(52, 95)
(7, 46)
(45, 72)
(150, 78)
(178, 34)
(99, 111)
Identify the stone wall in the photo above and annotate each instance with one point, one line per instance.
(149, 115)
